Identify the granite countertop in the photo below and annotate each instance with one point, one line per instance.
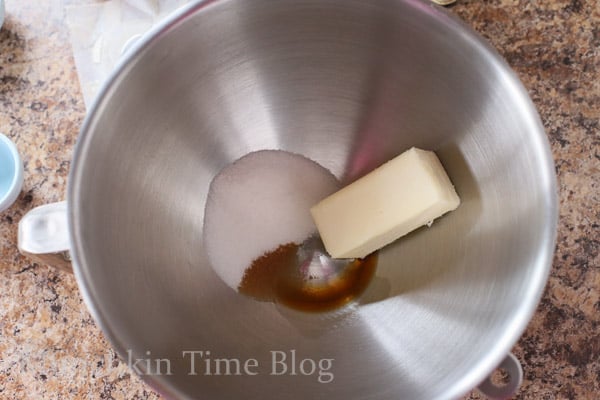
(50, 346)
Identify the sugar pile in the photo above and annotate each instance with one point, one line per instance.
(258, 203)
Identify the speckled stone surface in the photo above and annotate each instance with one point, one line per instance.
(50, 347)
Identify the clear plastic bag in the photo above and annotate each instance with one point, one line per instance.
(101, 32)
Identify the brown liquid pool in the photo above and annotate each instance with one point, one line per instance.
(305, 284)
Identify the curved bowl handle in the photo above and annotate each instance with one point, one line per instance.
(512, 366)
(44, 235)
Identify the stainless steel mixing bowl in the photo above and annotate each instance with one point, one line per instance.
(349, 84)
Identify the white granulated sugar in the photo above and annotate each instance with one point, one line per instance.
(258, 203)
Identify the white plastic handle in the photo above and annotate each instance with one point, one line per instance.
(513, 368)
(44, 235)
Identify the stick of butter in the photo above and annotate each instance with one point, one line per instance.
(400, 196)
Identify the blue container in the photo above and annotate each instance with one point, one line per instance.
(1, 12)
(11, 173)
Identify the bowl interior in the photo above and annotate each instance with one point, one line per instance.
(349, 85)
